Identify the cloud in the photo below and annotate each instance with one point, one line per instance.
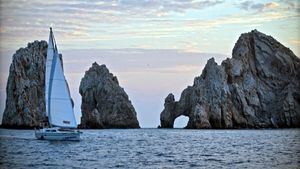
(129, 23)
(109, 8)
(291, 4)
(104, 11)
(74, 18)
(294, 42)
(258, 7)
(178, 69)
(271, 5)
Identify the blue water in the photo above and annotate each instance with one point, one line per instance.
(154, 148)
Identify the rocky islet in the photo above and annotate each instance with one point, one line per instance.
(259, 87)
(25, 103)
(104, 103)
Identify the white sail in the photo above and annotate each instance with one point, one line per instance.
(58, 100)
(50, 53)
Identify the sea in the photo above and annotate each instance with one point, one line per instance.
(154, 148)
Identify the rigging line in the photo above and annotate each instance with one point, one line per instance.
(54, 42)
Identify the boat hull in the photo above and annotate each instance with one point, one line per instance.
(57, 134)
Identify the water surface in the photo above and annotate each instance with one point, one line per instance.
(154, 148)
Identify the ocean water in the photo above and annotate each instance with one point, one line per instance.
(154, 148)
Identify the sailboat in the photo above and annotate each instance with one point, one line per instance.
(61, 122)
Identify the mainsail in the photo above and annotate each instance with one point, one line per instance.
(59, 107)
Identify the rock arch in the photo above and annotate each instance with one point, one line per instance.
(181, 121)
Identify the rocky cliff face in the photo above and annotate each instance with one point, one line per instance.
(259, 87)
(25, 105)
(104, 103)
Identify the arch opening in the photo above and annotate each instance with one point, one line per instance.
(181, 121)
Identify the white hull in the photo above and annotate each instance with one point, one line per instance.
(57, 134)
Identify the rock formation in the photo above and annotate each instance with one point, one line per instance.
(104, 103)
(25, 103)
(259, 87)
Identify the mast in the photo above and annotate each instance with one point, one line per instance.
(54, 48)
(49, 61)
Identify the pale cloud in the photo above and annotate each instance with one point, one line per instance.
(179, 69)
(291, 4)
(271, 5)
(255, 19)
(294, 42)
(88, 20)
(259, 7)
(130, 23)
(277, 5)
(74, 8)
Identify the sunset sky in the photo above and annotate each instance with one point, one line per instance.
(153, 47)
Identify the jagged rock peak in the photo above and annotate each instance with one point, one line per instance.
(101, 72)
(104, 103)
(258, 87)
(255, 39)
(25, 105)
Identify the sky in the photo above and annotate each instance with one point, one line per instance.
(154, 47)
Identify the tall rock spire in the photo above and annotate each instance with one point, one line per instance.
(104, 103)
